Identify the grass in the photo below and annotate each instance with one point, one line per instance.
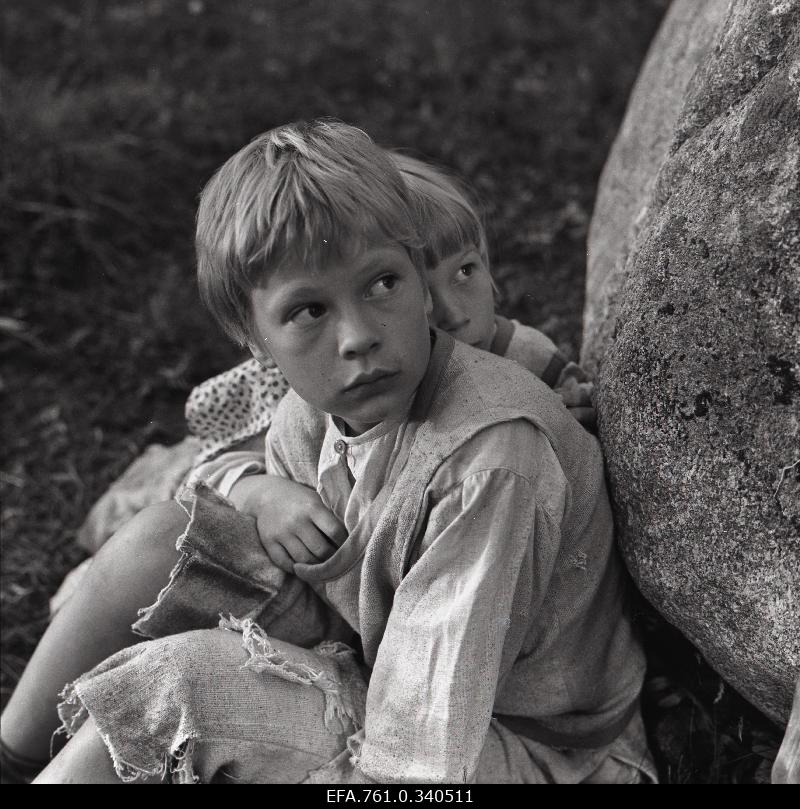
(116, 113)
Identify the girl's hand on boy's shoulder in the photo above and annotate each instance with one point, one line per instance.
(578, 396)
(293, 523)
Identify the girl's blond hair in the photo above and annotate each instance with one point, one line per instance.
(447, 217)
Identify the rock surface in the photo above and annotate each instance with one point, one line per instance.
(692, 325)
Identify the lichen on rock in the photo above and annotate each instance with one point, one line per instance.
(692, 326)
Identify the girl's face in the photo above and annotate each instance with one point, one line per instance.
(463, 297)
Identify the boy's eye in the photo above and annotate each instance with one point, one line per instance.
(383, 286)
(306, 315)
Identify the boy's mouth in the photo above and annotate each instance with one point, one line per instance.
(367, 382)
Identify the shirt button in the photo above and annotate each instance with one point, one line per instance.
(340, 446)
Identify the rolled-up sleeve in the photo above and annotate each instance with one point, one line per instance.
(223, 472)
(436, 673)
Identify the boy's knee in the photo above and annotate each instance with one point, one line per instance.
(152, 533)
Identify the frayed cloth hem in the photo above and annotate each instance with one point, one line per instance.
(179, 606)
(177, 764)
(185, 498)
(342, 684)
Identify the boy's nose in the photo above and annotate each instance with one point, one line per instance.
(357, 337)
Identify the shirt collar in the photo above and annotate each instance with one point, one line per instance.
(380, 429)
(442, 345)
(504, 330)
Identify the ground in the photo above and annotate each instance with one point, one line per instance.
(116, 113)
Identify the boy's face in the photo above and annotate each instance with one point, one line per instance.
(352, 338)
(463, 297)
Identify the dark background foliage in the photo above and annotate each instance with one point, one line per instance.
(114, 115)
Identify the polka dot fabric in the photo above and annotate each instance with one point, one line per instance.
(233, 406)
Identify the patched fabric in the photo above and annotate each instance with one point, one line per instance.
(216, 706)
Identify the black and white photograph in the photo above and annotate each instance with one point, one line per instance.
(400, 397)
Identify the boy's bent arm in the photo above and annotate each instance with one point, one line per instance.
(293, 523)
(456, 626)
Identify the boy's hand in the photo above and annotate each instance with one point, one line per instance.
(292, 522)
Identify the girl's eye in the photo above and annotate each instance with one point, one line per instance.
(383, 286)
(465, 271)
(306, 315)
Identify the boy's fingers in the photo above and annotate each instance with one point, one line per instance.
(295, 547)
(279, 557)
(316, 542)
(329, 525)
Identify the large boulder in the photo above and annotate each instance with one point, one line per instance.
(692, 326)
